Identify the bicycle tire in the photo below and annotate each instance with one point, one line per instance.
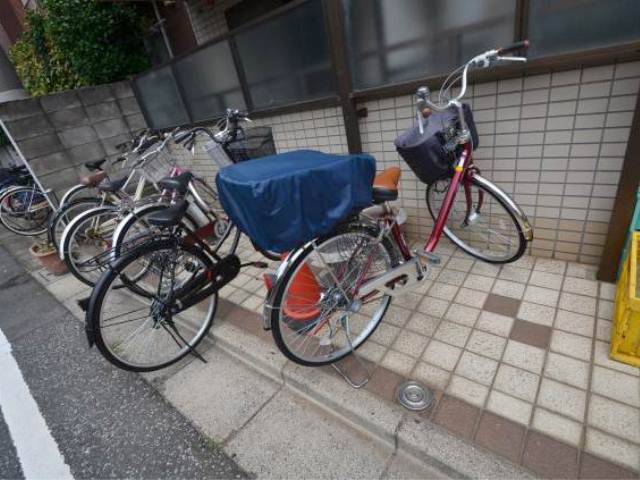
(72, 230)
(130, 220)
(274, 256)
(40, 226)
(113, 274)
(78, 192)
(522, 242)
(200, 186)
(283, 282)
(64, 210)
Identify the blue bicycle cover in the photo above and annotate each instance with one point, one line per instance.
(282, 201)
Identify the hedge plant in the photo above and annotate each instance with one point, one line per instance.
(75, 43)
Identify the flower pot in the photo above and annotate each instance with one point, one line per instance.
(48, 258)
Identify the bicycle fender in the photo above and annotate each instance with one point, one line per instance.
(83, 303)
(521, 217)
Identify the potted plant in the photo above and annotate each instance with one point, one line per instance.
(48, 257)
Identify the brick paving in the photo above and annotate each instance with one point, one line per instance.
(517, 355)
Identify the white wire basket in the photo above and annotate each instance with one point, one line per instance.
(217, 153)
(158, 165)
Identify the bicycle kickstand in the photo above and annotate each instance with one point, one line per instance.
(357, 385)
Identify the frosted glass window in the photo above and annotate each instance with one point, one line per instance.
(559, 26)
(287, 59)
(397, 40)
(160, 99)
(209, 82)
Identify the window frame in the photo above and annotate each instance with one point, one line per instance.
(337, 43)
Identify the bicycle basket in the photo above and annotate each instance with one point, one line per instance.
(217, 153)
(251, 143)
(431, 155)
(158, 165)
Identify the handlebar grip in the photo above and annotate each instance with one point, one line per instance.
(514, 47)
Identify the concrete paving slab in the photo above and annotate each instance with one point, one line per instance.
(219, 396)
(262, 356)
(358, 406)
(455, 457)
(290, 438)
(403, 467)
(67, 286)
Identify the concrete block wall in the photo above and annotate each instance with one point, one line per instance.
(58, 133)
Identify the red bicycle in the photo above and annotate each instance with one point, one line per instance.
(329, 295)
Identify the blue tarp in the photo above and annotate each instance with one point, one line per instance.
(282, 201)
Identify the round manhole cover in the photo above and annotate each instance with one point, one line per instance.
(414, 396)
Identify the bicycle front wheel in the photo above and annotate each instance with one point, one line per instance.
(67, 212)
(317, 316)
(139, 332)
(480, 222)
(87, 241)
(222, 236)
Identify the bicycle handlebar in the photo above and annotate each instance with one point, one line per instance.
(514, 47)
(228, 125)
(484, 60)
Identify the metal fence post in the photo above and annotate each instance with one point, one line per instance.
(26, 164)
(334, 21)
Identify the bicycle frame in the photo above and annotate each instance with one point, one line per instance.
(461, 175)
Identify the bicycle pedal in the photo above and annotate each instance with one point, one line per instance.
(430, 256)
(257, 264)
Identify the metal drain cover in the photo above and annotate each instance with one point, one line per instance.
(414, 396)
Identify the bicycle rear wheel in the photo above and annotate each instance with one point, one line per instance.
(139, 332)
(480, 222)
(24, 211)
(317, 317)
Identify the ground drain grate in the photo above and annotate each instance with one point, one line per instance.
(414, 396)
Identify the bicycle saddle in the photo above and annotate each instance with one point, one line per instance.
(169, 217)
(94, 179)
(385, 185)
(179, 183)
(112, 186)
(96, 165)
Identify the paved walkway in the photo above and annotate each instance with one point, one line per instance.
(63, 410)
(520, 354)
(517, 356)
(240, 415)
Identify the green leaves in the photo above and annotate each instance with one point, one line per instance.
(75, 43)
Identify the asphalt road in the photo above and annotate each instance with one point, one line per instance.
(106, 423)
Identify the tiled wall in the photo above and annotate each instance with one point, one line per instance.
(321, 129)
(555, 142)
(207, 18)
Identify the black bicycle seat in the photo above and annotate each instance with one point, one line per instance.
(179, 183)
(170, 216)
(92, 166)
(112, 186)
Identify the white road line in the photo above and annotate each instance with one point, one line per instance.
(37, 451)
